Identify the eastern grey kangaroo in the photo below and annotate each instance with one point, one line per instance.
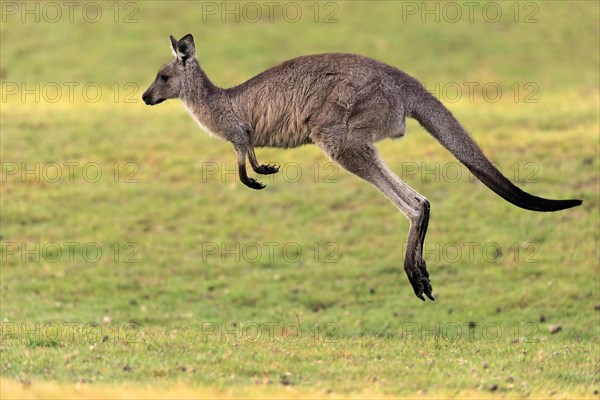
(343, 103)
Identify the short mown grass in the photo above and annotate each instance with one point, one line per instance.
(203, 287)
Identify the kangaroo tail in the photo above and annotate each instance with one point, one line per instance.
(440, 122)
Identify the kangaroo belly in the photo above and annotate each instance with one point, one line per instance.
(280, 124)
(281, 138)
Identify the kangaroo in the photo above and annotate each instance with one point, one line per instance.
(343, 103)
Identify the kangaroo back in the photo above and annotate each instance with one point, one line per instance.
(440, 122)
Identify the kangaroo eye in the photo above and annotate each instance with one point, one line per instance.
(164, 78)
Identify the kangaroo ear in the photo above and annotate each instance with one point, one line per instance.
(186, 48)
(173, 45)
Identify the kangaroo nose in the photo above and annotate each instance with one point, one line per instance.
(145, 97)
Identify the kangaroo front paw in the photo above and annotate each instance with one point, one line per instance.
(267, 169)
(254, 184)
(419, 279)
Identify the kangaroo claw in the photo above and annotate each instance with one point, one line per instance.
(419, 279)
(267, 169)
(254, 184)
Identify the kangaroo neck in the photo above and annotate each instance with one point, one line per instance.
(203, 100)
(197, 88)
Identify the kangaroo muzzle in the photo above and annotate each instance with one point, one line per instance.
(147, 97)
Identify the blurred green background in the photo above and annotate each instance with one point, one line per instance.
(166, 213)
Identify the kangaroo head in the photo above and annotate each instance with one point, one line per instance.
(169, 79)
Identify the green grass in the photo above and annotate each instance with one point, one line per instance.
(362, 329)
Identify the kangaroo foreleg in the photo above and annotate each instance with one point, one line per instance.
(241, 151)
(264, 169)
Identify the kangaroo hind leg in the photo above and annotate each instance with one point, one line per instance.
(364, 161)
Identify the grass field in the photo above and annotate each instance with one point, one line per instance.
(135, 264)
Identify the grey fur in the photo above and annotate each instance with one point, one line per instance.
(343, 103)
